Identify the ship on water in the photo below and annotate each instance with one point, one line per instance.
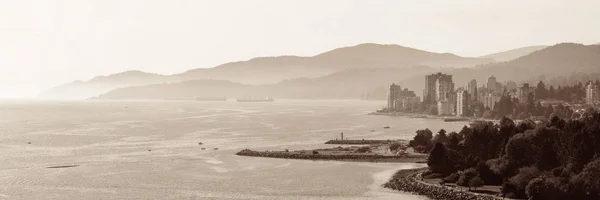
(210, 98)
(267, 99)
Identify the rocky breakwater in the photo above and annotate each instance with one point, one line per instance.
(325, 155)
(356, 142)
(405, 180)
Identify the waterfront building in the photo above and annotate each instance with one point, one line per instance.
(591, 94)
(472, 89)
(395, 96)
(462, 103)
(445, 108)
(437, 86)
(410, 102)
(524, 91)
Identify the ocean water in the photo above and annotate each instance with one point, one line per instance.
(150, 149)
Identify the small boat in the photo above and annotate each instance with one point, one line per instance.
(216, 148)
(386, 127)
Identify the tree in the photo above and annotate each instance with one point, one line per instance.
(438, 161)
(591, 178)
(422, 141)
(475, 183)
(395, 146)
(453, 141)
(466, 176)
(540, 91)
(441, 137)
(521, 180)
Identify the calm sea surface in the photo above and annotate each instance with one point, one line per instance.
(150, 150)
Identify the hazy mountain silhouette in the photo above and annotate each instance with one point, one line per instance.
(514, 53)
(102, 84)
(559, 60)
(555, 61)
(270, 70)
(345, 84)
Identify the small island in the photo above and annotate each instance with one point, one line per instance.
(368, 151)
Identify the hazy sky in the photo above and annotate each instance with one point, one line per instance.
(49, 42)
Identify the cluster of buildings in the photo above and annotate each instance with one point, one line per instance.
(401, 99)
(440, 91)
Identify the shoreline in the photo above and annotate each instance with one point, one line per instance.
(427, 116)
(406, 180)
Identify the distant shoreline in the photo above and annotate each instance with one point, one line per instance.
(427, 116)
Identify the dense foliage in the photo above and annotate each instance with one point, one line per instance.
(554, 159)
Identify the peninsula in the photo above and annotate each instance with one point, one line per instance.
(364, 151)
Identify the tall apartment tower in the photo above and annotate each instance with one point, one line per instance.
(462, 103)
(472, 89)
(393, 94)
(591, 94)
(437, 87)
(492, 84)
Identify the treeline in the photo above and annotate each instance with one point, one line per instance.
(550, 160)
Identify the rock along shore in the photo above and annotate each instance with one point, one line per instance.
(405, 180)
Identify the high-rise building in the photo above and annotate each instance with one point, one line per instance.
(462, 103)
(491, 84)
(393, 95)
(524, 92)
(444, 88)
(429, 94)
(437, 87)
(591, 94)
(472, 89)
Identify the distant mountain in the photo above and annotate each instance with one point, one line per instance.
(102, 84)
(555, 61)
(266, 70)
(559, 60)
(514, 53)
(345, 84)
(270, 70)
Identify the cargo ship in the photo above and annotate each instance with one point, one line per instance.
(268, 99)
(210, 98)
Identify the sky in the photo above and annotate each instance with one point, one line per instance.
(44, 43)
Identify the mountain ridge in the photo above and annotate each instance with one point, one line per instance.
(271, 70)
(555, 61)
